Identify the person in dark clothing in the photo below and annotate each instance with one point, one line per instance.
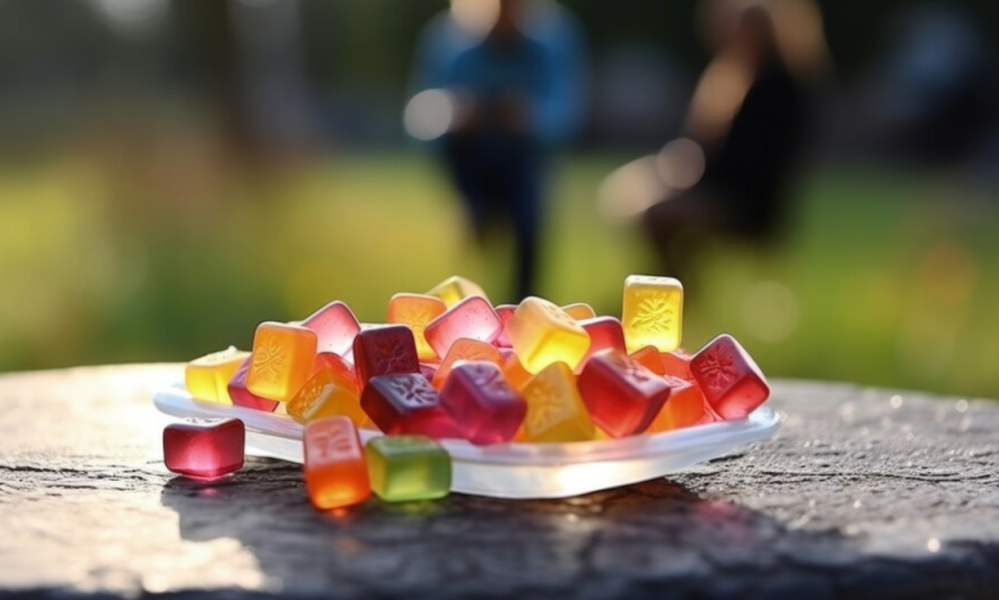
(746, 126)
(513, 94)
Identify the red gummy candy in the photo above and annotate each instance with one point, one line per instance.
(730, 380)
(384, 351)
(204, 451)
(484, 407)
(605, 334)
(241, 396)
(335, 326)
(406, 403)
(623, 397)
(471, 318)
(505, 313)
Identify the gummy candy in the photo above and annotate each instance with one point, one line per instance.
(341, 370)
(730, 380)
(335, 325)
(623, 397)
(309, 394)
(336, 473)
(579, 311)
(243, 397)
(207, 378)
(677, 363)
(204, 451)
(406, 403)
(464, 349)
(686, 406)
(542, 334)
(282, 360)
(484, 407)
(516, 375)
(403, 468)
(651, 359)
(605, 334)
(416, 311)
(652, 312)
(429, 370)
(325, 395)
(454, 289)
(384, 351)
(505, 313)
(472, 318)
(555, 410)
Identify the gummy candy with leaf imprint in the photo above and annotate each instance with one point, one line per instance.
(729, 378)
(283, 357)
(407, 403)
(385, 350)
(652, 312)
(336, 473)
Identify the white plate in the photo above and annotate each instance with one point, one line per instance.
(516, 470)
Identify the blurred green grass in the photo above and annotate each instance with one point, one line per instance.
(884, 279)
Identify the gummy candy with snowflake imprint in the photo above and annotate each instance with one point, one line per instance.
(385, 350)
(407, 403)
(652, 312)
(729, 378)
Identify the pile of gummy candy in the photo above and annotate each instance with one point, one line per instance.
(449, 365)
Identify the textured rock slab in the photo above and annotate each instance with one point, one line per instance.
(862, 494)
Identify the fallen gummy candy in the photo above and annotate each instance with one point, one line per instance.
(336, 473)
(403, 468)
(204, 451)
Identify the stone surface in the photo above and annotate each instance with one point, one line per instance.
(862, 494)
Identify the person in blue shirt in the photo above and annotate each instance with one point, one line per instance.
(511, 94)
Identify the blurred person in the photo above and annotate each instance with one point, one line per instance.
(729, 174)
(500, 87)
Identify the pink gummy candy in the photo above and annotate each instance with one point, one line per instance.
(335, 326)
(471, 318)
(204, 451)
(484, 407)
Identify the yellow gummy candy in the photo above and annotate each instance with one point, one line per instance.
(555, 410)
(207, 378)
(652, 312)
(456, 288)
(542, 334)
(283, 356)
